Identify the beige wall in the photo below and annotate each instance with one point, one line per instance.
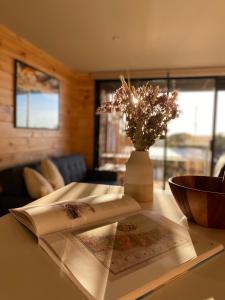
(76, 107)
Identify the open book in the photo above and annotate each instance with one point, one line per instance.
(111, 248)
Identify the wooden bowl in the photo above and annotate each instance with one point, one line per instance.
(201, 199)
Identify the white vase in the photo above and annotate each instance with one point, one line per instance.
(138, 181)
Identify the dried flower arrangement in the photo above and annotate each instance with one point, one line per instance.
(147, 111)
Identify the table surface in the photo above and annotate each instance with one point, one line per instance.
(27, 272)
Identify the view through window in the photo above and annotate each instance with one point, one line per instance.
(187, 149)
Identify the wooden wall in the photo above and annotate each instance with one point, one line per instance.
(76, 108)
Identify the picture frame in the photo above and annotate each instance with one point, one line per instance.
(37, 98)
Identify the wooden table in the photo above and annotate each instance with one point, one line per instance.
(26, 271)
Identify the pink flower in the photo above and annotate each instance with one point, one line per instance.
(147, 111)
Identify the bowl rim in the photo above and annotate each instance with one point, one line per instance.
(190, 188)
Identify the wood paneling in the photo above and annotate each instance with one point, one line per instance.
(76, 108)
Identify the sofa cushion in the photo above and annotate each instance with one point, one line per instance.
(36, 184)
(71, 167)
(11, 201)
(101, 177)
(52, 174)
(12, 180)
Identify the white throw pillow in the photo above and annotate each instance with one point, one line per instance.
(36, 184)
(52, 174)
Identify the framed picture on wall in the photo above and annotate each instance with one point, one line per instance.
(36, 98)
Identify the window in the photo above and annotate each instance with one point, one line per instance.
(187, 148)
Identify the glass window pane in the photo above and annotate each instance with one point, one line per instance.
(219, 146)
(114, 146)
(189, 136)
(188, 139)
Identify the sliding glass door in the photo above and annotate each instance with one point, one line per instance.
(189, 137)
(219, 141)
(112, 145)
(187, 148)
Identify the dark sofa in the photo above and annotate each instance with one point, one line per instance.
(72, 167)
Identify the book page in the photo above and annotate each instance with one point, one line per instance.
(129, 257)
(43, 219)
(129, 242)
